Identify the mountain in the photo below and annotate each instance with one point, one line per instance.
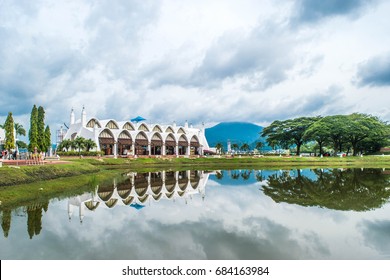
(236, 132)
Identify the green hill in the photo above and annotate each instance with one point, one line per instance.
(236, 132)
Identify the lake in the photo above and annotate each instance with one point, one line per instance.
(225, 214)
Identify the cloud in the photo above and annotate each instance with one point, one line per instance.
(261, 57)
(313, 11)
(377, 234)
(375, 72)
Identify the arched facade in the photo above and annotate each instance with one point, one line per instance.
(106, 142)
(125, 138)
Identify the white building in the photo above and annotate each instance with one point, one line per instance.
(138, 138)
(2, 136)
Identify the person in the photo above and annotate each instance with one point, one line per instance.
(15, 154)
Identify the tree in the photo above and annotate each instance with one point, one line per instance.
(65, 144)
(41, 129)
(318, 132)
(288, 132)
(362, 126)
(21, 144)
(245, 147)
(9, 132)
(219, 147)
(33, 132)
(47, 138)
(79, 143)
(19, 129)
(234, 146)
(89, 144)
(259, 145)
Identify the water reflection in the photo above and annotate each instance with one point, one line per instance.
(247, 214)
(340, 189)
(141, 189)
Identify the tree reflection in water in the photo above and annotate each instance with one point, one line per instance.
(349, 189)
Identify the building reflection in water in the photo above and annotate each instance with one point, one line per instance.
(140, 189)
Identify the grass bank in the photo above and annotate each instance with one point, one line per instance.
(10, 175)
(42, 191)
(142, 164)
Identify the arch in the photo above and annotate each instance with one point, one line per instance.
(105, 195)
(106, 142)
(194, 179)
(169, 129)
(143, 127)
(91, 205)
(194, 145)
(112, 125)
(128, 126)
(181, 130)
(157, 197)
(124, 142)
(183, 145)
(170, 144)
(141, 144)
(156, 144)
(143, 198)
(170, 181)
(73, 136)
(94, 122)
(128, 200)
(170, 194)
(111, 203)
(157, 128)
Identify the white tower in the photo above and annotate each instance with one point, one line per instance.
(83, 117)
(72, 120)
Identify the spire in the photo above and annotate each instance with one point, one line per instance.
(83, 117)
(72, 117)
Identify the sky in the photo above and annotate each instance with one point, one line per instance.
(202, 61)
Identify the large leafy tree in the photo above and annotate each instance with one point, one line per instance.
(9, 132)
(362, 126)
(288, 132)
(33, 132)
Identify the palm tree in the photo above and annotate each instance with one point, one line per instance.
(245, 147)
(89, 144)
(19, 129)
(219, 147)
(235, 147)
(259, 145)
(65, 144)
(79, 143)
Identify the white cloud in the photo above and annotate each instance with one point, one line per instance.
(176, 60)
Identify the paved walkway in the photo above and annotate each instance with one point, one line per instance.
(31, 162)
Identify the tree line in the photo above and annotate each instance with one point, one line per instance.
(39, 135)
(356, 133)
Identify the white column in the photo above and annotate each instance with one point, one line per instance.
(177, 149)
(133, 148)
(163, 150)
(115, 149)
(189, 149)
(149, 149)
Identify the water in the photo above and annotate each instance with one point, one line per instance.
(236, 214)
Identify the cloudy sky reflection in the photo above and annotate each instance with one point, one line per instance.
(233, 221)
